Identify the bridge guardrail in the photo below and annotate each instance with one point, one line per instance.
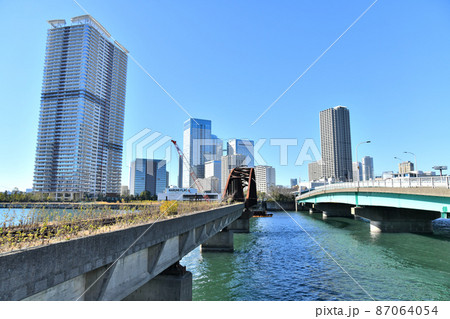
(402, 182)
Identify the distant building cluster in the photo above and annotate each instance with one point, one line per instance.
(204, 166)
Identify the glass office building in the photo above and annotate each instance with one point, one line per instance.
(80, 133)
(148, 175)
(244, 147)
(199, 147)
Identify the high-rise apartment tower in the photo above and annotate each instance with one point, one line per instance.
(336, 144)
(80, 133)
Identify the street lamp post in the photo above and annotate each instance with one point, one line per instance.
(357, 162)
(415, 162)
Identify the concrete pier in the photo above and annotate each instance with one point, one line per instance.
(173, 284)
(314, 211)
(242, 224)
(334, 210)
(396, 220)
(222, 241)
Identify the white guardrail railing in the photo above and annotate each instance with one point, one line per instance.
(404, 182)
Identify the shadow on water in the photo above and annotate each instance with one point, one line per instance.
(338, 223)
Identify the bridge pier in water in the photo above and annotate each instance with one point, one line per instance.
(242, 224)
(222, 241)
(309, 207)
(173, 284)
(397, 220)
(334, 210)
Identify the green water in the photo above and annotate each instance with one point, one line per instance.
(280, 261)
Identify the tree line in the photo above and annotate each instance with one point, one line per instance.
(18, 196)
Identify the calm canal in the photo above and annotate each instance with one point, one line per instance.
(277, 260)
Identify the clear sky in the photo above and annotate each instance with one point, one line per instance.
(227, 61)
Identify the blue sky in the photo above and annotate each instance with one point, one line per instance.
(227, 61)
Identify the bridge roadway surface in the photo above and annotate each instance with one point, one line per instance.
(146, 271)
(389, 209)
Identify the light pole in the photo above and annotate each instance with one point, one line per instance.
(357, 162)
(401, 174)
(415, 162)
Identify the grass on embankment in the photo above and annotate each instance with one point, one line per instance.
(40, 226)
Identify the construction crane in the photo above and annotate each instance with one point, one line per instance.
(191, 170)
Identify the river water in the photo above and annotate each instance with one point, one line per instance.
(278, 260)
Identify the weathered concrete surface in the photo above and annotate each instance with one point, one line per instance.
(165, 288)
(397, 220)
(240, 225)
(222, 241)
(60, 271)
(174, 284)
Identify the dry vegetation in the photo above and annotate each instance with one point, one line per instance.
(20, 229)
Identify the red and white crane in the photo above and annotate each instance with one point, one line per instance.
(191, 171)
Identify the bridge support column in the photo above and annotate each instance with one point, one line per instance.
(396, 220)
(222, 241)
(313, 210)
(173, 284)
(242, 224)
(334, 210)
(309, 207)
(304, 207)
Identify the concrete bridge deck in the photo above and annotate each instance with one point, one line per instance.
(75, 270)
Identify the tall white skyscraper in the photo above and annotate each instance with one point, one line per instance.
(244, 147)
(80, 134)
(265, 178)
(335, 141)
(199, 147)
(367, 168)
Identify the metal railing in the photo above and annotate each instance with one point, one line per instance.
(400, 182)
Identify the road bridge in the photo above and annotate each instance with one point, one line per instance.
(403, 205)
